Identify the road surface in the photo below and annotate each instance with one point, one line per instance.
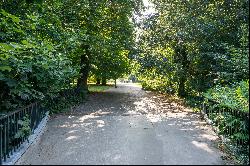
(126, 125)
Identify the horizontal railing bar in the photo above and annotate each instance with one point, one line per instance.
(9, 125)
(16, 111)
(237, 111)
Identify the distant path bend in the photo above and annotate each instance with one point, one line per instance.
(126, 125)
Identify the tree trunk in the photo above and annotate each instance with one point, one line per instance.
(181, 89)
(98, 81)
(82, 82)
(115, 84)
(104, 81)
(183, 59)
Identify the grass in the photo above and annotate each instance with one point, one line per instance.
(98, 88)
(137, 83)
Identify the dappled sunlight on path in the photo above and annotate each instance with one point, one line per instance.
(126, 125)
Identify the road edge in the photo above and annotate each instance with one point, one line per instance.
(32, 139)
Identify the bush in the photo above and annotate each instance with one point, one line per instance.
(228, 108)
(235, 97)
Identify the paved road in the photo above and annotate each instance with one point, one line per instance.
(126, 126)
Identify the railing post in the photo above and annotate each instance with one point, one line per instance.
(1, 145)
(203, 109)
(5, 142)
(11, 132)
(8, 136)
(9, 127)
(14, 130)
(32, 123)
(17, 125)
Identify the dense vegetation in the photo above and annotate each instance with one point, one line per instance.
(191, 46)
(199, 49)
(48, 46)
(196, 49)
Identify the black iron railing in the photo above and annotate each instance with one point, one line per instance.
(16, 126)
(232, 125)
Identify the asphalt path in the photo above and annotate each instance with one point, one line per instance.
(126, 125)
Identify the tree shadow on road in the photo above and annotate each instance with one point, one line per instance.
(119, 112)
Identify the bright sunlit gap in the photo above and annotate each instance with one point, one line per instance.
(150, 7)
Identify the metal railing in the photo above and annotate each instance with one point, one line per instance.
(12, 124)
(232, 125)
(228, 121)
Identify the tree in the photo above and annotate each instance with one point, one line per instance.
(44, 47)
(116, 34)
(33, 63)
(191, 45)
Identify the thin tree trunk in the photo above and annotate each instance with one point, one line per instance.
(183, 59)
(98, 81)
(82, 82)
(115, 84)
(181, 89)
(104, 81)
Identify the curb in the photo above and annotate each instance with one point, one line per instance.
(32, 139)
(215, 129)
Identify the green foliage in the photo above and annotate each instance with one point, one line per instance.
(42, 45)
(229, 110)
(234, 126)
(24, 128)
(31, 59)
(97, 88)
(186, 48)
(191, 46)
(111, 50)
(235, 97)
(195, 49)
(65, 100)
